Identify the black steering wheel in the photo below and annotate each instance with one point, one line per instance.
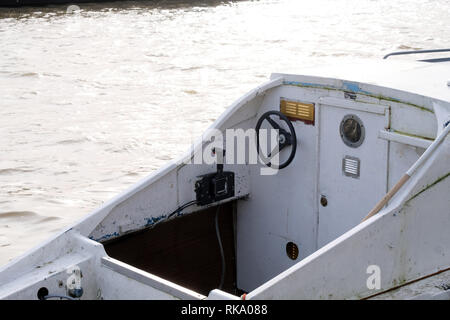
(285, 138)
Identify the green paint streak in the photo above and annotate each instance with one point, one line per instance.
(380, 97)
(429, 186)
(412, 135)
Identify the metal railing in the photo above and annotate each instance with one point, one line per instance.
(398, 53)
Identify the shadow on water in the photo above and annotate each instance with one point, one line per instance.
(19, 8)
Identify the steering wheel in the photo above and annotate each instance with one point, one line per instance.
(285, 138)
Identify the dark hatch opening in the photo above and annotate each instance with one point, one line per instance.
(184, 250)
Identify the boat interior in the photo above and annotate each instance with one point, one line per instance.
(185, 250)
(221, 222)
(351, 147)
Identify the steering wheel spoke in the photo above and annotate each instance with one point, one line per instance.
(274, 124)
(285, 138)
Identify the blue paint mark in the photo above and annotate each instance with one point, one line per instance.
(106, 237)
(151, 221)
(354, 87)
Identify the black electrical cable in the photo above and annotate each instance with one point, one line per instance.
(177, 211)
(222, 254)
(184, 206)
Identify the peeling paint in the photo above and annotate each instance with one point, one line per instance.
(309, 85)
(106, 237)
(353, 87)
(149, 222)
(153, 220)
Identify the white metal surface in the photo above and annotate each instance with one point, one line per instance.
(280, 207)
(349, 199)
(145, 278)
(404, 139)
(436, 287)
(406, 241)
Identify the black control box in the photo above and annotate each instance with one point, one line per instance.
(214, 187)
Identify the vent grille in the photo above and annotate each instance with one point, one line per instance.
(298, 110)
(351, 166)
(292, 250)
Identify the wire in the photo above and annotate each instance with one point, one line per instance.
(178, 211)
(181, 208)
(222, 254)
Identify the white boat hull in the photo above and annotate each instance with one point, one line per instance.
(407, 244)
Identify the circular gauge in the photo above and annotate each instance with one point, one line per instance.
(352, 131)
